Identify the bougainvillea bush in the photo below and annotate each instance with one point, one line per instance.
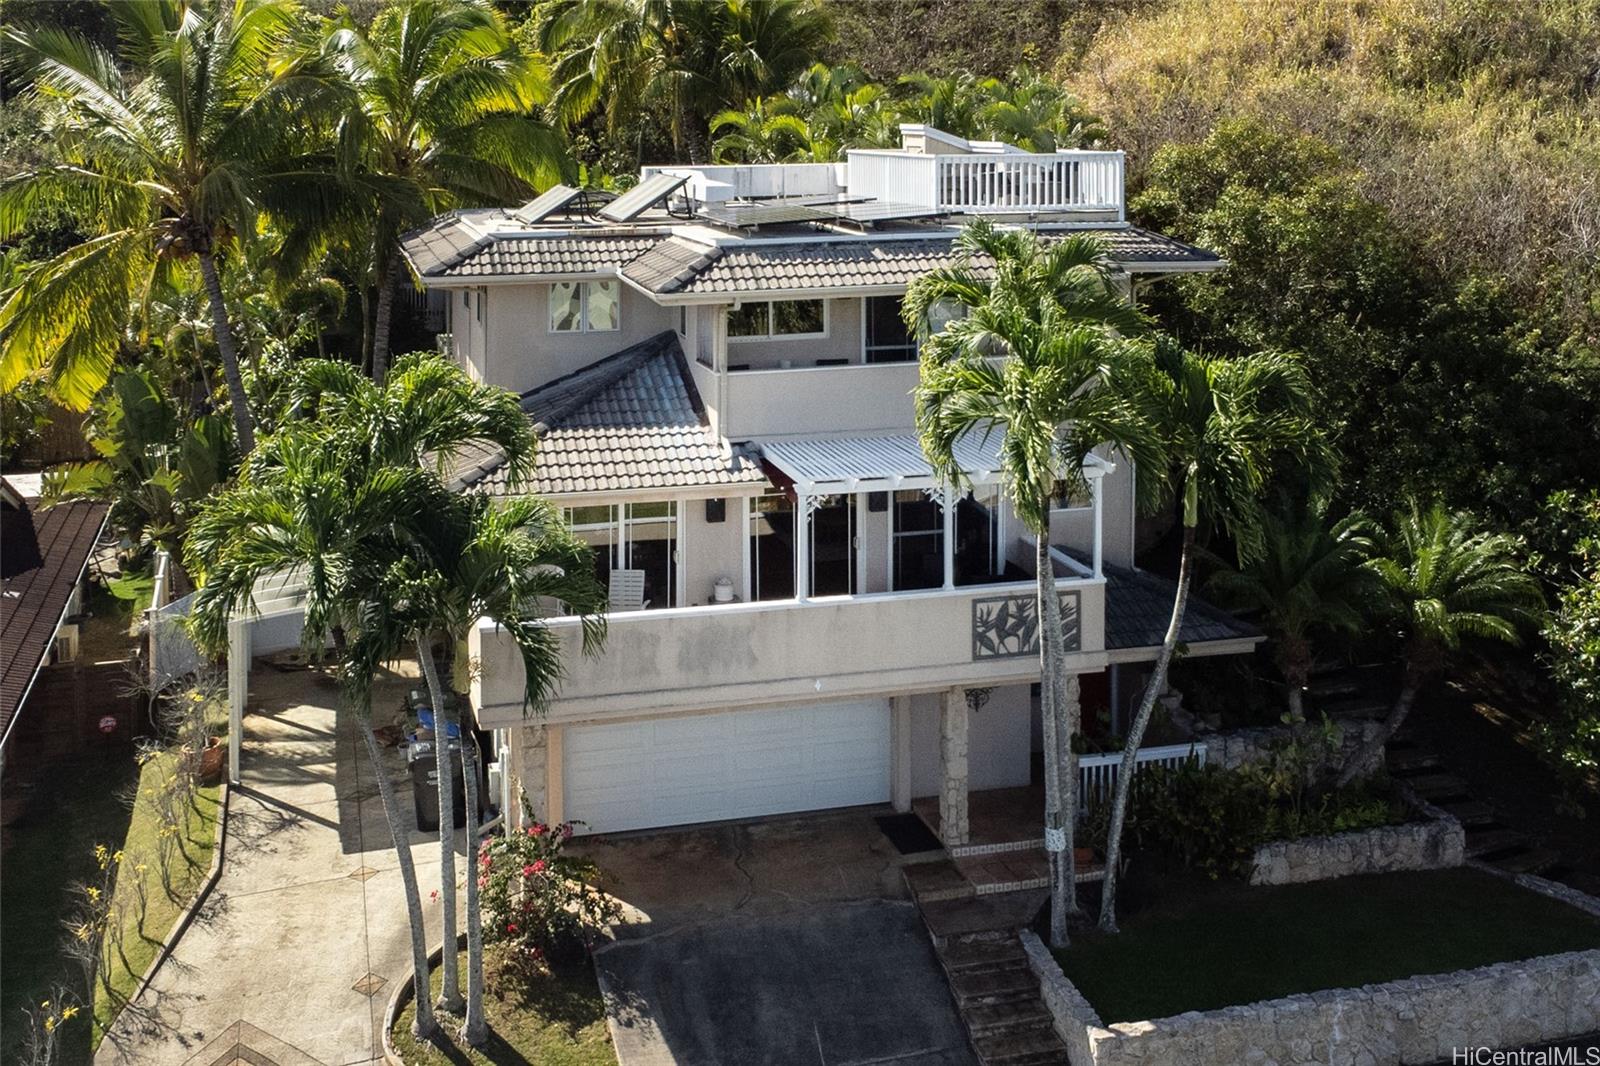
(537, 900)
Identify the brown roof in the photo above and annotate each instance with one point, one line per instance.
(631, 421)
(679, 266)
(33, 600)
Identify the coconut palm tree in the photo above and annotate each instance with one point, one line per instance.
(1444, 581)
(439, 110)
(766, 131)
(1310, 580)
(1227, 425)
(1051, 311)
(508, 562)
(174, 159)
(695, 58)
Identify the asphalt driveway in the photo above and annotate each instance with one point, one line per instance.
(829, 984)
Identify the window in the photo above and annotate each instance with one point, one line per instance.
(635, 536)
(585, 307)
(886, 338)
(772, 547)
(778, 318)
(918, 541)
(683, 321)
(483, 297)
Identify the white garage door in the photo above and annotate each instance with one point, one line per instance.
(739, 764)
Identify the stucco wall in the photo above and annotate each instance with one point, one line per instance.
(997, 742)
(1415, 1020)
(523, 354)
(709, 549)
(861, 399)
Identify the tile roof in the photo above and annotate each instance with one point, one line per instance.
(33, 599)
(630, 421)
(1139, 609)
(679, 266)
(587, 254)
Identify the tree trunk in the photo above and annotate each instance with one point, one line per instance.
(243, 425)
(1061, 883)
(1295, 660)
(696, 137)
(1297, 703)
(380, 326)
(366, 331)
(450, 985)
(1130, 749)
(474, 1030)
(424, 1025)
(1410, 685)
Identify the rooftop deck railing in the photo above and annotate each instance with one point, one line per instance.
(1008, 182)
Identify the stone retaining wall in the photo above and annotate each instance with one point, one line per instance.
(1239, 747)
(1433, 844)
(1415, 1020)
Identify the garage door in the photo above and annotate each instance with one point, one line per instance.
(739, 764)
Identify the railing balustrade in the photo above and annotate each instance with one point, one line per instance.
(1097, 774)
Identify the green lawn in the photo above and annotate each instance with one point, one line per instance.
(80, 805)
(1217, 944)
(559, 1021)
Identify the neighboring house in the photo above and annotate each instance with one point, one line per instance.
(43, 558)
(803, 618)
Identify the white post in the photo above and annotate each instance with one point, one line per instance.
(1095, 488)
(947, 504)
(802, 545)
(238, 690)
(746, 588)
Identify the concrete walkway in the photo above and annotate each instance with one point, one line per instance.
(292, 960)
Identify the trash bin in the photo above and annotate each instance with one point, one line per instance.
(422, 760)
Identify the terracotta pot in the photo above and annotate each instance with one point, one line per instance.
(1083, 856)
(211, 760)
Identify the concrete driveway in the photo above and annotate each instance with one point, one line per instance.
(784, 941)
(821, 985)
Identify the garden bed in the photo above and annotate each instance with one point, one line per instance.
(550, 1020)
(1207, 944)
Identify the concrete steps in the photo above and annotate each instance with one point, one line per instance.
(1435, 787)
(1486, 842)
(1407, 760)
(1471, 814)
(997, 995)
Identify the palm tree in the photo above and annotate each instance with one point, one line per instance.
(766, 131)
(438, 111)
(338, 493)
(1226, 424)
(694, 57)
(1050, 310)
(174, 160)
(1309, 580)
(1037, 115)
(505, 562)
(1444, 581)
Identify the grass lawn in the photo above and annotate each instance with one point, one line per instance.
(1218, 944)
(560, 1021)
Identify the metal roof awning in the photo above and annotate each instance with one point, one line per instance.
(823, 466)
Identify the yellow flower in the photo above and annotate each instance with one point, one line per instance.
(117, 856)
(93, 893)
(68, 1012)
(49, 1025)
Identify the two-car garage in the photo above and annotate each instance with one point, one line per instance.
(735, 764)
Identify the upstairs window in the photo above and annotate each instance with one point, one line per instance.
(778, 319)
(585, 307)
(886, 339)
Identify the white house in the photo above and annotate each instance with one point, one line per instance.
(720, 378)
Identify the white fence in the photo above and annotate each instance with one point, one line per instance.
(1097, 774)
(173, 655)
(1006, 182)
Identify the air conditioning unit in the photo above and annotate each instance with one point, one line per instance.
(65, 649)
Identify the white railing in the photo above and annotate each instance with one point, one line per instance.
(1097, 774)
(996, 182)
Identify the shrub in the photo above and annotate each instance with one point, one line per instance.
(539, 901)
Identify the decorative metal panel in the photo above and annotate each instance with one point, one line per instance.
(1007, 627)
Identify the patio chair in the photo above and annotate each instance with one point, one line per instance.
(626, 591)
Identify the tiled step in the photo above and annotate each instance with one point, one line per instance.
(995, 1018)
(1033, 1046)
(1439, 786)
(933, 882)
(976, 955)
(1531, 861)
(1493, 841)
(994, 987)
(954, 918)
(1470, 813)
(1409, 761)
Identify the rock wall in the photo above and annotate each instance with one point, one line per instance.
(1074, 1017)
(1427, 845)
(529, 752)
(1239, 747)
(1415, 1020)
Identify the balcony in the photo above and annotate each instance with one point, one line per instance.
(1007, 182)
(841, 647)
(817, 399)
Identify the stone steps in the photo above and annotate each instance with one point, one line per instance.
(1526, 861)
(1435, 787)
(1471, 813)
(937, 881)
(992, 987)
(1036, 1045)
(998, 998)
(1493, 841)
(978, 954)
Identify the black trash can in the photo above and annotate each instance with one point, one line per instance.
(423, 763)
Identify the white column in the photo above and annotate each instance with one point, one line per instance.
(947, 505)
(900, 753)
(238, 690)
(953, 729)
(1097, 491)
(746, 585)
(802, 545)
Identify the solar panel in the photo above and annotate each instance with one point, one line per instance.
(886, 210)
(546, 204)
(764, 214)
(633, 203)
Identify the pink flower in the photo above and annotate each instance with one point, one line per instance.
(511, 927)
(566, 831)
(434, 895)
(528, 871)
(532, 831)
(537, 867)
(483, 882)
(538, 829)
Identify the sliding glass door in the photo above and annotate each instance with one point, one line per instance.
(633, 536)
